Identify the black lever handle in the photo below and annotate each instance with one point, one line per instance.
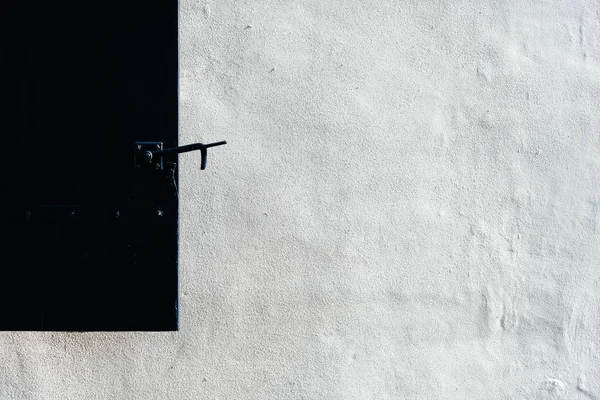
(184, 149)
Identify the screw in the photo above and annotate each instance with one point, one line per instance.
(159, 213)
(73, 212)
(158, 146)
(139, 146)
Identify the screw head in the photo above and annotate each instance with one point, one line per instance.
(139, 146)
(159, 213)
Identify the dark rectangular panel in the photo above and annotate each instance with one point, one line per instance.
(90, 242)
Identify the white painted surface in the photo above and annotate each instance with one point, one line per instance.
(408, 208)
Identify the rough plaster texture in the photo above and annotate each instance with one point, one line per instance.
(408, 208)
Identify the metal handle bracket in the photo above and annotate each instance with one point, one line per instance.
(148, 153)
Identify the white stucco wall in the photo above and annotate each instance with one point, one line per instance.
(408, 208)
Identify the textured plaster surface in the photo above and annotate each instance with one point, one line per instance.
(408, 208)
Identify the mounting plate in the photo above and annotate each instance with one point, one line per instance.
(139, 155)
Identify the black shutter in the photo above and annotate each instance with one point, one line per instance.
(90, 241)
